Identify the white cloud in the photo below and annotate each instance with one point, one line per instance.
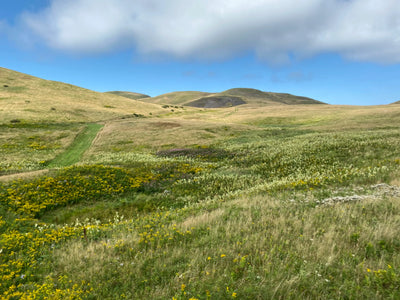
(366, 30)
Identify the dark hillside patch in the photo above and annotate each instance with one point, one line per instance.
(210, 154)
(217, 102)
(130, 95)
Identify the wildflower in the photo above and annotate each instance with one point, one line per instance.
(234, 295)
(183, 287)
(223, 255)
(209, 258)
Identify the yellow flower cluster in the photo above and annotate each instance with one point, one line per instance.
(21, 253)
(72, 185)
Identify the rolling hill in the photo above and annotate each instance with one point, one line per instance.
(177, 98)
(131, 95)
(25, 97)
(231, 97)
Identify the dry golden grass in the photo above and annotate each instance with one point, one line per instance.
(156, 134)
(206, 127)
(29, 98)
(323, 117)
(23, 176)
(176, 98)
(206, 218)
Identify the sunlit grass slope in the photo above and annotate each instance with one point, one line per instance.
(247, 202)
(24, 97)
(176, 98)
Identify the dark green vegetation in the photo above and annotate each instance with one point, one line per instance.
(217, 101)
(254, 203)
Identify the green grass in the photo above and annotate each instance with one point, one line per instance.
(28, 146)
(271, 205)
(74, 152)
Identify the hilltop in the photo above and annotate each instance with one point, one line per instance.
(25, 97)
(231, 97)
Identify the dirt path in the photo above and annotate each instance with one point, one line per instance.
(24, 175)
(70, 156)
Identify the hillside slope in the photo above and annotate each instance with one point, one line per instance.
(177, 98)
(231, 97)
(25, 97)
(256, 96)
(130, 95)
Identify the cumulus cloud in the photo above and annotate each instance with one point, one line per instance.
(276, 30)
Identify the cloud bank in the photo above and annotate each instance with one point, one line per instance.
(275, 30)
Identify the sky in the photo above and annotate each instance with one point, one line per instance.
(336, 51)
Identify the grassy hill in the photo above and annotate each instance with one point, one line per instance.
(245, 202)
(176, 98)
(131, 95)
(254, 96)
(231, 97)
(24, 97)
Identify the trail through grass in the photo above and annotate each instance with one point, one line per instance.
(270, 210)
(81, 143)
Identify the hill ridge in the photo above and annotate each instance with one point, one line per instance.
(26, 97)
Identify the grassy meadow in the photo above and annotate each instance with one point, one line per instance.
(268, 202)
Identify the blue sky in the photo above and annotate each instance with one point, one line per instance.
(336, 51)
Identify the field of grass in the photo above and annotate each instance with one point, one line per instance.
(248, 203)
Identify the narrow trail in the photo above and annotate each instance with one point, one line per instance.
(75, 151)
(70, 156)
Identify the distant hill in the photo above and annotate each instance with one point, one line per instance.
(176, 98)
(397, 102)
(231, 97)
(25, 97)
(130, 95)
(257, 96)
(217, 101)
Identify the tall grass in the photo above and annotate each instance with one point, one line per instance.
(276, 212)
